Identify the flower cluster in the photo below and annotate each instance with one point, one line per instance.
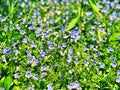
(59, 44)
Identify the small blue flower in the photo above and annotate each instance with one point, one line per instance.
(22, 32)
(118, 72)
(114, 63)
(118, 6)
(51, 47)
(64, 36)
(30, 59)
(108, 31)
(73, 85)
(64, 45)
(118, 79)
(110, 49)
(28, 53)
(28, 74)
(35, 77)
(30, 88)
(35, 62)
(43, 54)
(5, 28)
(44, 68)
(25, 40)
(96, 55)
(37, 34)
(86, 63)
(50, 86)
(91, 32)
(71, 71)
(69, 60)
(7, 50)
(70, 55)
(71, 50)
(76, 61)
(33, 44)
(118, 37)
(16, 75)
(112, 56)
(49, 42)
(4, 59)
(42, 74)
(102, 65)
(94, 63)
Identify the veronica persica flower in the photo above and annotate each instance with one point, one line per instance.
(118, 79)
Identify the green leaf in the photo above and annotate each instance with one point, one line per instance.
(114, 37)
(94, 6)
(17, 37)
(6, 82)
(16, 88)
(74, 21)
(116, 86)
(95, 78)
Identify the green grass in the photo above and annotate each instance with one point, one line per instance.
(61, 43)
